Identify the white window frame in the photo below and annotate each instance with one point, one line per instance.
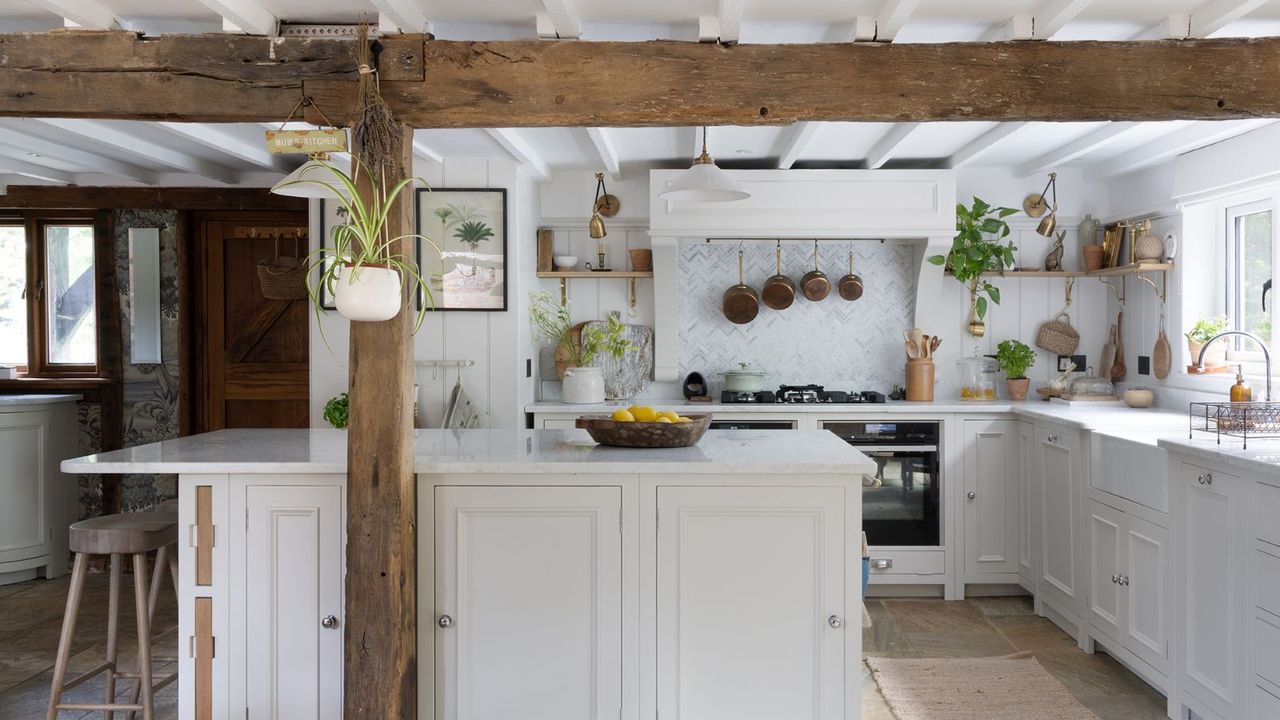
(1240, 350)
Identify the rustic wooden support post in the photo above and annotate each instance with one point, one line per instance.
(381, 674)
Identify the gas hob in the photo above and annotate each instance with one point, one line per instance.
(802, 394)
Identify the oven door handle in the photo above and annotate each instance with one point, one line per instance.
(896, 448)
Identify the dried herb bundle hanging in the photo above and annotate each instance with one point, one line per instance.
(376, 137)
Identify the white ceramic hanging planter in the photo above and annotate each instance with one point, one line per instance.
(370, 295)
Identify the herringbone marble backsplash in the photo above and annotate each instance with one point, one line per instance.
(843, 345)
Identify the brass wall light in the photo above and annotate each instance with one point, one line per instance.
(1036, 205)
(604, 205)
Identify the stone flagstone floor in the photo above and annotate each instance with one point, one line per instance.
(31, 616)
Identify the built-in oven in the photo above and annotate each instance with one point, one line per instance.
(902, 500)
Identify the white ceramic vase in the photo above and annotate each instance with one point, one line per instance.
(583, 385)
(370, 295)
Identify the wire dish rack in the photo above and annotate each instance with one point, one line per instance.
(1238, 420)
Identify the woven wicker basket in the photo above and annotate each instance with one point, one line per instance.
(1057, 336)
(283, 277)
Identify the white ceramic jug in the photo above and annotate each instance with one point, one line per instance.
(583, 385)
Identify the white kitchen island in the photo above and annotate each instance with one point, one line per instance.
(557, 579)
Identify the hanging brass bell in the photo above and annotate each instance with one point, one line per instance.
(596, 226)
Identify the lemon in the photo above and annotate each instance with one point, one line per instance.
(623, 416)
(683, 419)
(663, 419)
(672, 416)
(643, 413)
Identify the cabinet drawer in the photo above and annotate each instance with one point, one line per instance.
(1266, 510)
(1267, 570)
(908, 563)
(1267, 656)
(1265, 705)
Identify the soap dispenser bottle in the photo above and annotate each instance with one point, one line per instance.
(1241, 392)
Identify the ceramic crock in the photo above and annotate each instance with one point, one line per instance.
(583, 385)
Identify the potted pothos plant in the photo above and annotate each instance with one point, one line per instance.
(364, 275)
(577, 347)
(1014, 358)
(978, 249)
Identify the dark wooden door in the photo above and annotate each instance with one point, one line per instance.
(253, 356)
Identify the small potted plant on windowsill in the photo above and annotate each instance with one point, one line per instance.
(1201, 333)
(1014, 358)
(551, 322)
(977, 249)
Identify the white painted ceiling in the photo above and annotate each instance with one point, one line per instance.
(110, 152)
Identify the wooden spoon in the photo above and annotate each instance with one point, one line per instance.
(1162, 355)
(1118, 367)
(913, 350)
(934, 342)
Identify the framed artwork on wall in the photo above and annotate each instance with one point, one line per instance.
(469, 226)
(332, 214)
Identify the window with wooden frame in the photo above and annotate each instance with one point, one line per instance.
(48, 312)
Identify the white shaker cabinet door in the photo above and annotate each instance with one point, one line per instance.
(1145, 555)
(992, 489)
(1058, 470)
(293, 582)
(1028, 513)
(24, 486)
(1105, 528)
(528, 606)
(751, 603)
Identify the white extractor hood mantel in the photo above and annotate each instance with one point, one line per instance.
(910, 204)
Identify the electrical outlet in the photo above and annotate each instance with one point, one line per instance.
(1064, 362)
(1144, 365)
(528, 367)
(1081, 361)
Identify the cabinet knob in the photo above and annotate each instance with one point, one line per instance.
(835, 622)
(971, 495)
(1052, 438)
(1115, 579)
(329, 622)
(445, 622)
(1124, 580)
(1208, 478)
(1200, 479)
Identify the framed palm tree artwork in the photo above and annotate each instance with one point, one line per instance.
(469, 226)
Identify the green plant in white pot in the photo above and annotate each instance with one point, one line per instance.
(364, 276)
(1202, 332)
(577, 349)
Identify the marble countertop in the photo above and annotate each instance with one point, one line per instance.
(893, 407)
(18, 400)
(486, 451)
(1263, 456)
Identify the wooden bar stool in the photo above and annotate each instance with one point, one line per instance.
(135, 534)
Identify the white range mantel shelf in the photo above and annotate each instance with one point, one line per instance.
(264, 451)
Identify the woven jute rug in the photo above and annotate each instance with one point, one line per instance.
(1015, 687)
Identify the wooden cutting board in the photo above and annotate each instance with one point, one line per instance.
(628, 376)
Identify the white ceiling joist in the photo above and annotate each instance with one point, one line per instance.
(17, 133)
(1054, 14)
(1213, 17)
(426, 152)
(1018, 27)
(1174, 27)
(247, 15)
(218, 139)
(1182, 140)
(404, 16)
(892, 17)
(559, 21)
(99, 132)
(970, 153)
(1077, 148)
(882, 152)
(792, 141)
(14, 166)
(520, 150)
(605, 149)
(88, 14)
(730, 17)
(863, 29)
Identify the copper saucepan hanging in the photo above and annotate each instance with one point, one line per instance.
(779, 290)
(741, 304)
(850, 285)
(815, 284)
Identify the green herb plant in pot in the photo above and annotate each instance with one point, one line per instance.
(977, 249)
(335, 411)
(1201, 333)
(1014, 358)
(551, 322)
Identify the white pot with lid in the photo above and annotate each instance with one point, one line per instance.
(744, 379)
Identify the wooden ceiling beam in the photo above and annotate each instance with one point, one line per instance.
(529, 83)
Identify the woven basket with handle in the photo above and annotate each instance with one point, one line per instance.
(283, 277)
(1057, 336)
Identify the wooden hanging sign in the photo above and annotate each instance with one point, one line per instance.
(307, 142)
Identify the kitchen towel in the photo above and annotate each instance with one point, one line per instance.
(461, 413)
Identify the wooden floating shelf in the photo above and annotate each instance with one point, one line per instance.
(604, 275)
(1105, 272)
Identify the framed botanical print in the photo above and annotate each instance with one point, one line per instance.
(469, 227)
(332, 214)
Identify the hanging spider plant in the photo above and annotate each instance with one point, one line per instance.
(362, 257)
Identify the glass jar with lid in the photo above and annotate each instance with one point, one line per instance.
(977, 378)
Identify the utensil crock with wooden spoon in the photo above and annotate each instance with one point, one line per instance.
(815, 285)
(779, 290)
(741, 304)
(850, 286)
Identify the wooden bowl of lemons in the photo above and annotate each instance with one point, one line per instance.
(641, 426)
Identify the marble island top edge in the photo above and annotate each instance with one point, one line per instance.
(319, 451)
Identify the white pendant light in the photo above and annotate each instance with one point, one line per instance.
(315, 179)
(704, 182)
